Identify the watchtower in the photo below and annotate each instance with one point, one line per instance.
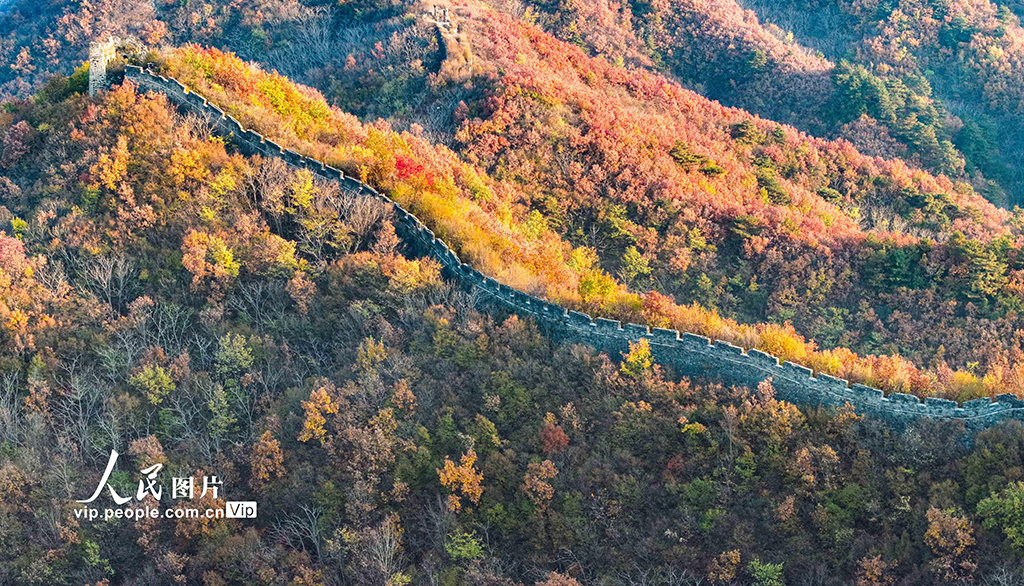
(100, 53)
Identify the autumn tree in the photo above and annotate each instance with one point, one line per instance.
(535, 483)
(552, 437)
(462, 481)
(319, 405)
(638, 359)
(266, 460)
(723, 568)
(556, 579)
(210, 260)
(874, 571)
(952, 541)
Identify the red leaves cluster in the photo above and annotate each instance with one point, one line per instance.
(553, 438)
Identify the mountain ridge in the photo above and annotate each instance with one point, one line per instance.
(240, 310)
(690, 355)
(214, 69)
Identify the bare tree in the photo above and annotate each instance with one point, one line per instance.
(197, 127)
(54, 278)
(64, 468)
(171, 327)
(1004, 575)
(12, 425)
(311, 44)
(384, 548)
(262, 301)
(187, 412)
(300, 530)
(447, 294)
(112, 278)
(267, 181)
(361, 216)
(438, 520)
(111, 430)
(76, 411)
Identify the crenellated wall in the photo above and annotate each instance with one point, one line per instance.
(687, 354)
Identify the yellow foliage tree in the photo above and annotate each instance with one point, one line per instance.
(319, 402)
(638, 360)
(208, 257)
(539, 491)
(952, 541)
(464, 479)
(723, 567)
(111, 168)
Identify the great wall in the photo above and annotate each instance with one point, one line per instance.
(686, 354)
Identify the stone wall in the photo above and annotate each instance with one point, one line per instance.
(686, 354)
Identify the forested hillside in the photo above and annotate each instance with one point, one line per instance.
(931, 82)
(745, 218)
(706, 204)
(970, 52)
(819, 188)
(390, 433)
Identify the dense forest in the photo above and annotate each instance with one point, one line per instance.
(851, 251)
(821, 180)
(390, 432)
(739, 219)
(931, 82)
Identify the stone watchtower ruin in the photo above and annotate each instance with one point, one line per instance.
(100, 55)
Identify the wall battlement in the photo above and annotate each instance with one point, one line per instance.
(687, 354)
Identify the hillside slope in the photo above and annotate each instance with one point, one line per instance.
(928, 82)
(755, 222)
(884, 103)
(389, 433)
(749, 217)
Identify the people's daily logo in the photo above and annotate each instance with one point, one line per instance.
(150, 486)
